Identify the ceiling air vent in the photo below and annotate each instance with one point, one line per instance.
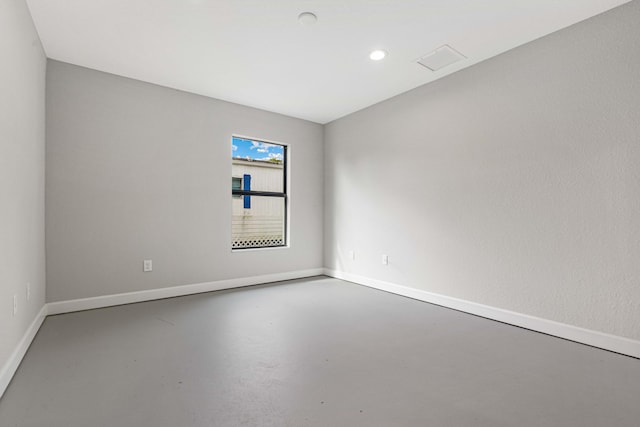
(440, 58)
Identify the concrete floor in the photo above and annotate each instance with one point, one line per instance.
(314, 352)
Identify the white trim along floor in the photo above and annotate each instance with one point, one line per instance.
(80, 354)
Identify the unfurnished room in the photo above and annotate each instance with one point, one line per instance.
(314, 213)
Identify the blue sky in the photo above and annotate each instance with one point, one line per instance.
(256, 150)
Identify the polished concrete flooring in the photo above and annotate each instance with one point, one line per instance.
(314, 352)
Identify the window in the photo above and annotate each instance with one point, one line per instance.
(236, 184)
(259, 193)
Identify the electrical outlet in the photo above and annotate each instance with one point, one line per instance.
(28, 291)
(147, 265)
(385, 259)
(15, 305)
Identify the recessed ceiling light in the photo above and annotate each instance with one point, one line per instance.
(307, 18)
(377, 55)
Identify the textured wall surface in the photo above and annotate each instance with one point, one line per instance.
(514, 183)
(137, 171)
(22, 140)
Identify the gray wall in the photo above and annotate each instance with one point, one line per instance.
(137, 171)
(22, 122)
(514, 183)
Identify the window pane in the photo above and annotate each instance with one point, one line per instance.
(236, 183)
(261, 162)
(262, 224)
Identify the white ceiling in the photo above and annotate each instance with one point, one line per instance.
(256, 53)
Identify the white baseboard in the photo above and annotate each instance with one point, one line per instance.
(69, 306)
(609, 342)
(11, 366)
